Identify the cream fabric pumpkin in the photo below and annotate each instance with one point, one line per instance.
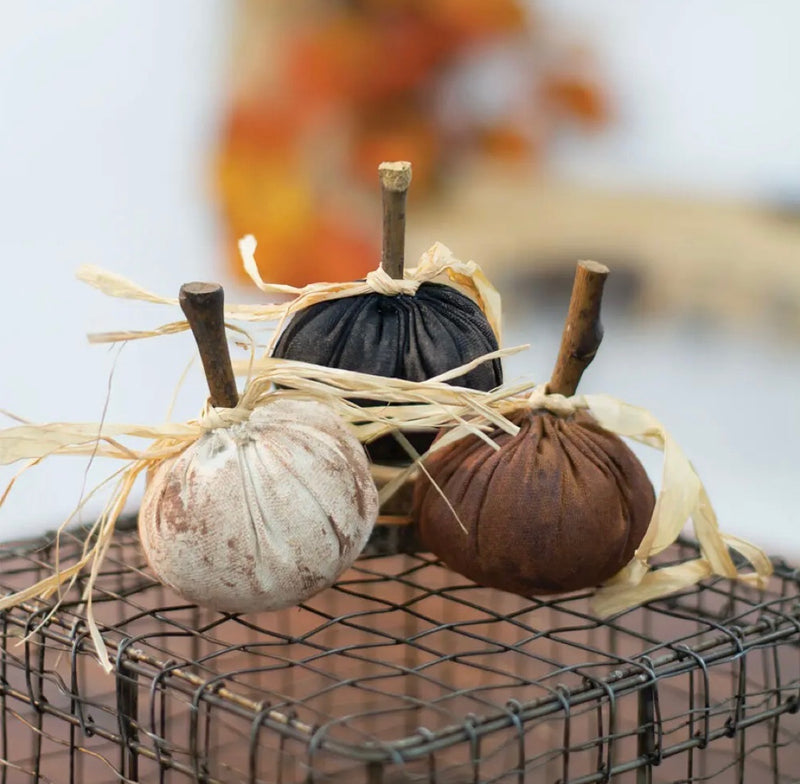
(263, 514)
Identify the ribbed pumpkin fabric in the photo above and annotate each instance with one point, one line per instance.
(413, 337)
(263, 514)
(561, 506)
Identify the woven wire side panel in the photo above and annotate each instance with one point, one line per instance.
(403, 672)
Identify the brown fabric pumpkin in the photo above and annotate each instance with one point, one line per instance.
(561, 506)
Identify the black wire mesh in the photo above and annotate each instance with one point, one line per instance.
(403, 672)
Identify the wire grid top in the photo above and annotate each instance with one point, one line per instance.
(403, 665)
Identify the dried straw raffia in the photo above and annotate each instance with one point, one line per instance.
(428, 404)
(437, 264)
(435, 404)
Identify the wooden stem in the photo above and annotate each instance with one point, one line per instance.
(583, 331)
(203, 305)
(395, 178)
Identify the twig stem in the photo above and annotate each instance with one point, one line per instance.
(203, 305)
(395, 178)
(583, 331)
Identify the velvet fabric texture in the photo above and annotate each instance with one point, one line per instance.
(560, 507)
(402, 336)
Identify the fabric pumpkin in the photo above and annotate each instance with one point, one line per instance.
(560, 507)
(263, 514)
(413, 337)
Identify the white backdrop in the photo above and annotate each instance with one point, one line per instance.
(108, 112)
(705, 94)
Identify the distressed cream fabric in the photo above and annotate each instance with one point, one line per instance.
(262, 514)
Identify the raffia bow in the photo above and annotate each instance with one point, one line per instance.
(438, 263)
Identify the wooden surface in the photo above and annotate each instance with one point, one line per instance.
(726, 260)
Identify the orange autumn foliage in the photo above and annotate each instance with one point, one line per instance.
(576, 98)
(354, 83)
(354, 61)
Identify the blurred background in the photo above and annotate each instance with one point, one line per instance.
(659, 138)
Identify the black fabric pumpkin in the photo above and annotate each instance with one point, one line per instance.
(413, 337)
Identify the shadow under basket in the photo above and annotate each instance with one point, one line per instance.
(402, 672)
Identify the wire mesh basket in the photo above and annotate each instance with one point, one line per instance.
(402, 672)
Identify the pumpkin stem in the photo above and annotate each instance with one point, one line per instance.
(583, 331)
(395, 178)
(203, 306)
